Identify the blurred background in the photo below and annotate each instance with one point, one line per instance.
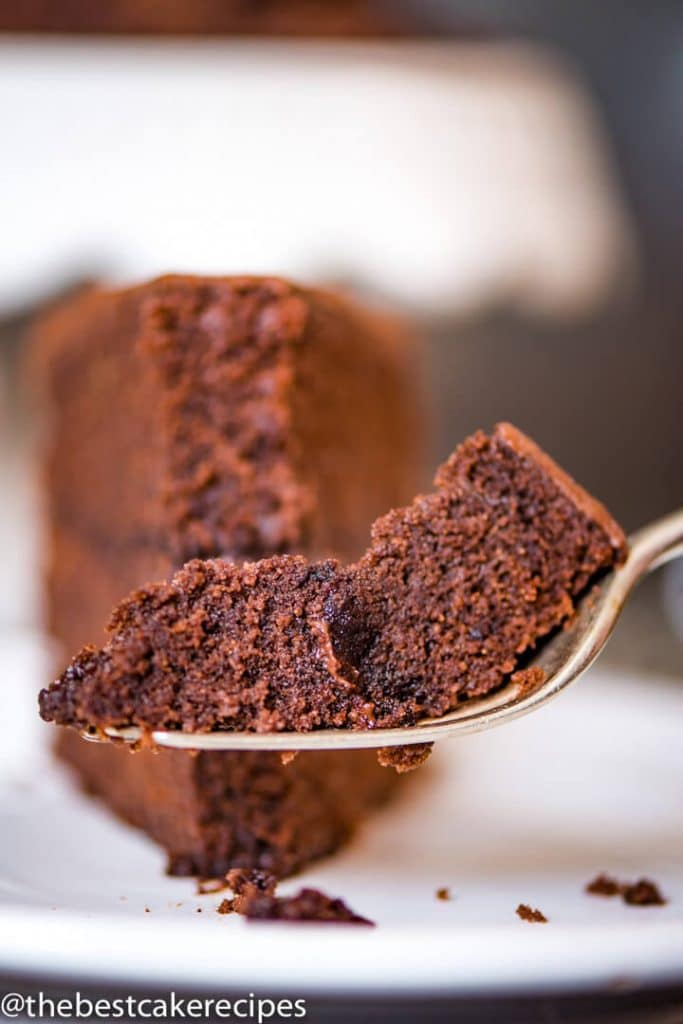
(507, 173)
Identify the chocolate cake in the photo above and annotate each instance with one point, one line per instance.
(217, 417)
(453, 591)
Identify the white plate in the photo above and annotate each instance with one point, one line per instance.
(528, 813)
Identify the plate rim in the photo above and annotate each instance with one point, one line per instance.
(431, 960)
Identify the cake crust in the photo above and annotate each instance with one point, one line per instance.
(590, 506)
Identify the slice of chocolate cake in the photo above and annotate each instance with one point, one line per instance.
(452, 592)
(205, 417)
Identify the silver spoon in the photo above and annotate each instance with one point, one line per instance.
(563, 659)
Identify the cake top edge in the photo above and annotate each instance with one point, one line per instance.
(590, 506)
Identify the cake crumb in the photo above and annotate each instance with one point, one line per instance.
(528, 680)
(248, 882)
(255, 899)
(147, 910)
(198, 910)
(287, 756)
(306, 905)
(643, 893)
(444, 894)
(527, 913)
(604, 885)
(404, 759)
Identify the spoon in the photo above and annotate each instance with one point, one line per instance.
(563, 658)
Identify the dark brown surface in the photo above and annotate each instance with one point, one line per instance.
(212, 416)
(453, 590)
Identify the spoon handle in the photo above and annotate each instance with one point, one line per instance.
(656, 544)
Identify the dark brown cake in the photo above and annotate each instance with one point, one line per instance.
(196, 417)
(231, 417)
(217, 810)
(452, 592)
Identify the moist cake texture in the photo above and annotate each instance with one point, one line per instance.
(195, 417)
(453, 591)
(217, 810)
